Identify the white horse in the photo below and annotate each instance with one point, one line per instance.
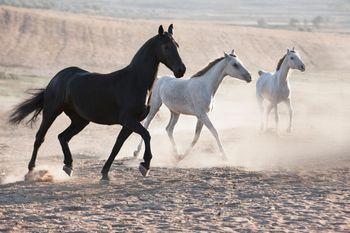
(194, 96)
(275, 87)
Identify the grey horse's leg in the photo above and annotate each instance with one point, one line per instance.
(290, 108)
(276, 117)
(198, 131)
(267, 113)
(206, 121)
(156, 103)
(170, 130)
(261, 108)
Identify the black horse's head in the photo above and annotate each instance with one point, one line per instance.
(166, 51)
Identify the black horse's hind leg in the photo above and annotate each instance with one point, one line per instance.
(77, 125)
(123, 135)
(46, 122)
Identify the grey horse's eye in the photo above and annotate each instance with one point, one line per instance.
(235, 65)
(291, 58)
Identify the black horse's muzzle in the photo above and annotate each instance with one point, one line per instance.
(180, 71)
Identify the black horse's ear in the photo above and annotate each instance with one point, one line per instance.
(170, 29)
(160, 30)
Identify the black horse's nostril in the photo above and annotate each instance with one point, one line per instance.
(180, 71)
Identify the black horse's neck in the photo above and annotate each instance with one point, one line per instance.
(144, 65)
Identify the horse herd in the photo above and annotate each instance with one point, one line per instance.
(120, 97)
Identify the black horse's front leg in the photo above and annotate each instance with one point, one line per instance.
(123, 135)
(130, 125)
(134, 125)
(137, 127)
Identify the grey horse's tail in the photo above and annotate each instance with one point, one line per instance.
(33, 104)
(261, 72)
(148, 107)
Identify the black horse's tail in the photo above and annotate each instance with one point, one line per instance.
(34, 104)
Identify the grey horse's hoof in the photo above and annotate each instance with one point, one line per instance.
(179, 157)
(68, 170)
(144, 171)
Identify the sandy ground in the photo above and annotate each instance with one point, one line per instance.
(298, 182)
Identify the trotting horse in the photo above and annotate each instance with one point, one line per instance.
(115, 98)
(194, 96)
(275, 88)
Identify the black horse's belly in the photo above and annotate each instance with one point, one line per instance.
(100, 100)
(94, 100)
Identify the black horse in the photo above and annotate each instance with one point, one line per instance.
(115, 98)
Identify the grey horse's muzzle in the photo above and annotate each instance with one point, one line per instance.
(248, 78)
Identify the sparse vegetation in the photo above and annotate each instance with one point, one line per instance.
(293, 22)
(262, 22)
(317, 21)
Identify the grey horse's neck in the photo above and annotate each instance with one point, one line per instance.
(283, 72)
(215, 76)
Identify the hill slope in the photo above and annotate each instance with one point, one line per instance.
(42, 42)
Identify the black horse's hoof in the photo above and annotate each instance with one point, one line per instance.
(68, 170)
(104, 179)
(29, 174)
(144, 171)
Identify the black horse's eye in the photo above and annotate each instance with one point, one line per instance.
(235, 65)
(291, 58)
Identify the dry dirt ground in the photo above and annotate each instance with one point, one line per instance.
(296, 182)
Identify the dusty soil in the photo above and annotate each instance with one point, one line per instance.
(215, 199)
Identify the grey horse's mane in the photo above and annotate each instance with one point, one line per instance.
(205, 69)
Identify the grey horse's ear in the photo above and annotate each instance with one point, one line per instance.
(293, 48)
(233, 52)
(160, 30)
(226, 55)
(287, 50)
(170, 29)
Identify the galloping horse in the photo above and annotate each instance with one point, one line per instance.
(194, 96)
(275, 87)
(115, 98)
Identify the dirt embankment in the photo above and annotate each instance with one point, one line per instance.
(42, 42)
